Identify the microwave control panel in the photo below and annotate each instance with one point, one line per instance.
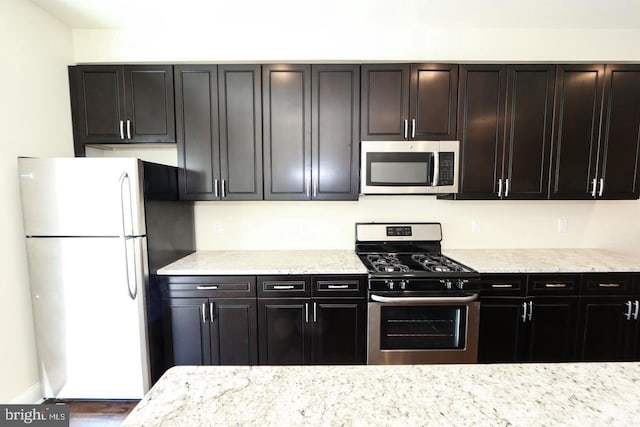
(446, 168)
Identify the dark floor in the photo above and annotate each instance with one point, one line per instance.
(97, 413)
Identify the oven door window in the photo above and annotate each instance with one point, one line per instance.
(400, 169)
(422, 327)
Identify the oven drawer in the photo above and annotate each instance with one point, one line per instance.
(283, 286)
(339, 286)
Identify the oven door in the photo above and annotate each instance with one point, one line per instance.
(414, 330)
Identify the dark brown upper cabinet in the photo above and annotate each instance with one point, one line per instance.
(403, 101)
(311, 138)
(597, 136)
(121, 104)
(219, 132)
(504, 125)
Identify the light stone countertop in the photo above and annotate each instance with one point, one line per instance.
(266, 262)
(545, 260)
(567, 394)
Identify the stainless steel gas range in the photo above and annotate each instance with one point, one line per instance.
(423, 306)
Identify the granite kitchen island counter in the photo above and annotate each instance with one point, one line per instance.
(574, 394)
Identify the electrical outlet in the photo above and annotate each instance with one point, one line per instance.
(563, 225)
(475, 225)
(216, 227)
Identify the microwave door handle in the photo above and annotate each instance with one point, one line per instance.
(436, 169)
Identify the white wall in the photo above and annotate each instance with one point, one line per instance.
(35, 121)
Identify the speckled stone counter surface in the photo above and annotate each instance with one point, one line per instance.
(267, 262)
(545, 260)
(587, 394)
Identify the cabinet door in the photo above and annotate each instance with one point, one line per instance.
(577, 120)
(98, 104)
(285, 332)
(286, 97)
(385, 102)
(339, 332)
(234, 327)
(433, 101)
(528, 140)
(606, 334)
(502, 330)
(197, 130)
(481, 129)
(620, 138)
(552, 329)
(240, 132)
(190, 343)
(335, 134)
(150, 106)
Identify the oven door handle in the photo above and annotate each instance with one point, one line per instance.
(409, 300)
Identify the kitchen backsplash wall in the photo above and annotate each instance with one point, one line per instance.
(466, 224)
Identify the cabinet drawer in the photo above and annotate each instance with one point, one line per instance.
(339, 286)
(553, 284)
(503, 285)
(283, 286)
(607, 284)
(209, 286)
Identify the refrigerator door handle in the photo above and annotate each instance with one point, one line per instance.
(132, 292)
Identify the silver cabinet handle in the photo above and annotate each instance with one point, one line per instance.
(315, 189)
(593, 191)
(121, 129)
(506, 187)
(307, 185)
(637, 309)
(608, 285)
(338, 286)
(204, 312)
(306, 312)
(128, 129)
(282, 287)
(406, 129)
(413, 128)
(530, 315)
(524, 312)
(215, 188)
(502, 286)
(601, 187)
(500, 187)
(207, 287)
(211, 317)
(628, 313)
(555, 285)
(315, 318)
(224, 188)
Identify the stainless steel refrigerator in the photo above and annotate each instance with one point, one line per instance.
(95, 230)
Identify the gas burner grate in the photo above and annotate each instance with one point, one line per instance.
(387, 263)
(437, 263)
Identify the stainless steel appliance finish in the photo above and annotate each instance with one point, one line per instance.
(409, 167)
(89, 228)
(423, 306)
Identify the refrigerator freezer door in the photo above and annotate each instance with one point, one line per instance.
(81, 196)
(90, 333)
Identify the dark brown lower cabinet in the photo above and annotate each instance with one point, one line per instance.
(212, 331)
(608, 330)
(299, 331)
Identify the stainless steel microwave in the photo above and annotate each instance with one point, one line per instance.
(409, 167)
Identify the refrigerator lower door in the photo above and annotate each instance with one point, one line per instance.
(88, 306)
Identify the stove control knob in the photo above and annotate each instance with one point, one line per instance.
(460, 284)
(403, 284)
(448, 284)
(390, 284)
